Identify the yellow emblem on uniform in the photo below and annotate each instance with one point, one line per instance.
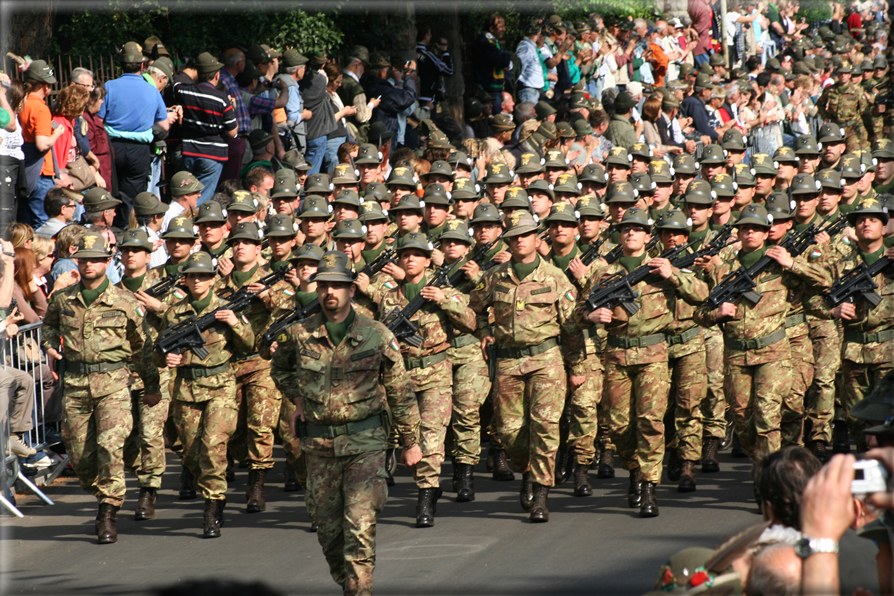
(341, 168)
(514, 217)
(882, 143)
(330, 260)
(720, 177)
(460, 183)
(89, 241)
(740, 167)
(582, 202)
(513, 192)
(369, 206)
(657, 166)
(826, 174)
(400, 171)
(760, 158)
(495, 168)
(519, 305)
(617, 150)
(560, 207)
(526, 158)
(479, 287)
(867, 203)
(453, 224)
(563, 178)
(847, 161)
(179, 221)
(282, 338)
(554, 154)
(638, 146)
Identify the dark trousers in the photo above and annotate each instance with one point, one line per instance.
(12, 186)
(133, 162)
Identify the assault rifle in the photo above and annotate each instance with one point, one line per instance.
(858, 282)
(592, 252)
(398, 320)
(187, 334)
(618, 288)
(740, 283)
(164, 286)
(617, 252)
(720, 241)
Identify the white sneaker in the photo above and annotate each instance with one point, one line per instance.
(42, 463)
(17, 447)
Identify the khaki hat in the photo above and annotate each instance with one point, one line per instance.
(548, 130)
(621, 192)
(368, 154)
(871, 207)
(593, 172)
(674, 219)
(567, 183)
(642, 151)
(349, 229)
(637, 216)
(360, 52)
(154, 46)
(520, 222)
(661, 171)
(243, 201)
(555, 158)
(99, 199)
(618, 156)
(199, 262)
(624, 103)
(181, 227)
(165, 65)
(436, 194)
(498, 173)
(402, 176)
(211, 212)
(147, 203)
(515, 198)
(699, 192)
(562, 211)
(581, 128)
(258, 139)
(764, 164)
(345, 173)
(703, 81)
(831, 133)
(543, 110)
(786, 155)
(530, 163)
(805, 184)
(502, 123)
(347, 196)
(565, 130)
(829, 178)
(724, 185)
(713, 155)
(744, 175)
(733, 139)
(439, 168)
(486, 213)
(754, 215)
(258, 55)
(883, 149)
(780, 206)
(318, 183)
(379, 133)
(377, 191)
(184, 183)
(282, 226)
(541, 186)
(851, 166)
(807, 145)
(311, 252)
(293, 58)
(372, 211)
(246, 231)
(92, 246)
(588, 205)
(409, 203)
(39, 70)
(458, 230)
(294, 159)
(285, 185)
(466, 188)
(416, 240)
(131, 53)
(685, 164)
(206, 63)
(136, 238)
(642, 183)
(315, 206)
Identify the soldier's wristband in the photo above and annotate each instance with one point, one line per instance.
(409, 441)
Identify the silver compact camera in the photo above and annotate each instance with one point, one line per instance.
(869, 477)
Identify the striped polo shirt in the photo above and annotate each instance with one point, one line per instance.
(207, 116)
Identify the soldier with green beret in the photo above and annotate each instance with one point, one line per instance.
(102, 328)
(346, 460)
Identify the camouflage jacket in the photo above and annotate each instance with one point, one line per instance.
(657, 299)
(843, 104)
(112, 329)
(528, 312)
(258, 313)
(351, 382)
(222, 342)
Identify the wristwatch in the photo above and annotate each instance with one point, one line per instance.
(807, 546)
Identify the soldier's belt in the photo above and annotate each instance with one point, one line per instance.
(313, 431)
(682, 338)
(425, 361)
(858, 337)
(513, 353)
(592, 332)
(197, 372)
(82, 368)
(249, 357)
(754, 344)
(462, 341)
(635, 342)
(847, 123)
(792, 320)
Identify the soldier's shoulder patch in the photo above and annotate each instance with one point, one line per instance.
(288, 292)
(390, 285)
(179, 294)
(480, 286)
(282, 338)
(685, 270)
(394, 345)
(141, 311)
(815, 254)
(569, 295)
(846, 240)
(244, 320)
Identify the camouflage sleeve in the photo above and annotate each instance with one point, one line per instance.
(704, 316)
(813, 275)
(456, 306)
(573, 346)
(243, 337)
(142, 348)
(50, 334)
(689, 287)
(378, 287)
(399, 392)
(278, 295)
(480, 299)
(284, 367)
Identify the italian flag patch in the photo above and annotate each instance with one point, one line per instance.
(179, 295)
(390, 285)
(569, 295)
(288, 292)
(394, 345)
(141, 311)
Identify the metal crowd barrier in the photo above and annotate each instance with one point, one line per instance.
(23, 352)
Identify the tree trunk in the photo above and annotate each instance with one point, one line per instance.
(29, 30)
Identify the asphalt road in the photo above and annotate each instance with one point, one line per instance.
(487, 547)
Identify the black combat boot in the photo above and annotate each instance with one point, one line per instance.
(291, 484)
(466, 487)
(427, 507)
(820, 449)
(526, 494)
(687, 477)
(737, 451)
(390, 466)
(231, 474)
(674, 465)
(710, 464)
(539, 512)
(841, 442)
(564, 464)
(146, 505)
(728, 437)
(606, 464)
(634, 491)
(502, 471)
(212, 519)
(187, 484)
(582, 481)
(106, 532)
(256, 500)
(649, 506)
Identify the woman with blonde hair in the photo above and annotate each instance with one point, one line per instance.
(20, 234)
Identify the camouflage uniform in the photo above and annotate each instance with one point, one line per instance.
(430, 371)
(99, 339)
(353, 382)
(845, 105)
(204, 407)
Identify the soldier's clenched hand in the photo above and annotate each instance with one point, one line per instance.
(227, 316)
(151, 304)
(173, 360)
(727, 309)
(662, 267)
(433, 294)
(486, 341)
(412, 456)
(600, 315)
(150, 399)
(845, 311)
(781, 256)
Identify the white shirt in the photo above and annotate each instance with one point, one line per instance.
(11, 142)
(175, 209)
(160, 256)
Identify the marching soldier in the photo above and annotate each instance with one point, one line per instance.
(101, 328)
(430, 371)
(533, 307)
(314, 218)
(212, 230)
(844, 105)
(343, 373)
(204, 405)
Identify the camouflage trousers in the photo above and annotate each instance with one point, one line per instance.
(259, 403)
(471, 386)
(434, 395)
(856, 137)
(857, 380)
(819, 405)
(792, 426)
(583, 402)
(756, 394)
(204, 428)
(144, 451)
(715, 403)
(290, 443)
(530, 395)
(689, 388)
(637, 395)
(94, 431)
(344, 496)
